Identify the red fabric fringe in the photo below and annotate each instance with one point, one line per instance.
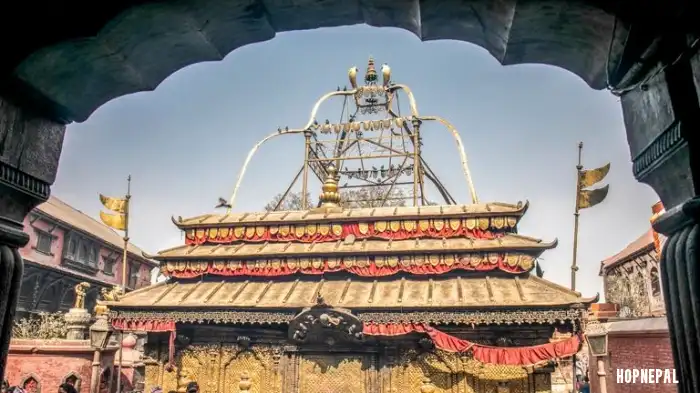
(226, 235)
(372, 270)
(514, 356)
(150, 326)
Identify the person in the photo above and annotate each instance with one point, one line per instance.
(66, 388)
(192, 387)
(585, 386)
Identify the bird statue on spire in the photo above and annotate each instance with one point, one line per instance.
(386, 74)
(352, 74)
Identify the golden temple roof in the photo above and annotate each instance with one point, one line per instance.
(363, 214)
(415, 293)
(359, 247)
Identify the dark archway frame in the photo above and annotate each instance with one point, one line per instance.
(65, 60)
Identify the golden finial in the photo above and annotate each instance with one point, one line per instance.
(371, 75)
(352, 74)
(330, 197)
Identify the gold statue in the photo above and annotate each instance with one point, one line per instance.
(80, 291)
(112, 294)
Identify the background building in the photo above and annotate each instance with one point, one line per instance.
(68, 247)
(634, 315)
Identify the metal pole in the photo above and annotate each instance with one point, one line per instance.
(416, 160)
(126, 232)
(119, 365)
(602, 383)
(574, 268)
(95, 377)
(305, 179)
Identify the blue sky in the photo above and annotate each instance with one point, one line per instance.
(184, 143)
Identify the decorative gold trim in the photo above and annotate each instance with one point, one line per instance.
(524, 262)
(507, 317)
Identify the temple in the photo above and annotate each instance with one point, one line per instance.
(361, 297)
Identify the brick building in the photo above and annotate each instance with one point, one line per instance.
(66, 247)
(637, 330)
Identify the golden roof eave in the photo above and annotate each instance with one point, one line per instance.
(357, 294)
(509, 242)
(356, 214)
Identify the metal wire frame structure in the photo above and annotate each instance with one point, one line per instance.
(377, 150)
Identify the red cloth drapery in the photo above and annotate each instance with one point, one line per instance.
(515, 356)
(366, 231)
(372, 269)
(150, 326)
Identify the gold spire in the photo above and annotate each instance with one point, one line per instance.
(371, 75)
(330, 197)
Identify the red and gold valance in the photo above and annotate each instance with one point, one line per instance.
(475, 228)
(154, 326)
(377, 266)
(515, 356)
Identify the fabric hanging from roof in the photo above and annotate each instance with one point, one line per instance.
(369, 267)
(150, 326)
(307, 233)
(517, 356)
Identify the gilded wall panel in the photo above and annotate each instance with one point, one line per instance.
(334, 374)
(257, 362)
(409, 374)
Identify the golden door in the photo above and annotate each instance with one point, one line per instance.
(217, 369)
(335, 373)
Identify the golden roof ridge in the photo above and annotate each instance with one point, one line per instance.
(490, 209)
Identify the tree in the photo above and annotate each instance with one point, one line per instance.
(353, 198)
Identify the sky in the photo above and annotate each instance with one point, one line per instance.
(184, 143)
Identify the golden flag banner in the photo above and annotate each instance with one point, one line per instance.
(117, 205)
(116, 221)
(590, 177)
(590, 198)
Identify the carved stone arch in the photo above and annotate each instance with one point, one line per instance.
(73, 378)
(30, 383)
(51, 291)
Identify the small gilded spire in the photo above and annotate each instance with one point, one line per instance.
(371, 75)
(330, 197)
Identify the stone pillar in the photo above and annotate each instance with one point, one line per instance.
(662, 121)
(78, 320)
(29, 150)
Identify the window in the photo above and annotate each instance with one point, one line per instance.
(655, 285)
(108, 265)
(43, 242)
(81, 253)
(134, 273)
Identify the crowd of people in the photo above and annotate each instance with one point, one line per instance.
(63, 388)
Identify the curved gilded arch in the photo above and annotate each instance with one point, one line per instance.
(462, 153)
(145, 44)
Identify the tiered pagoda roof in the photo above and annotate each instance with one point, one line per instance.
(411, 264)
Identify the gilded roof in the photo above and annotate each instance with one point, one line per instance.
(347, 247)
(452, 292)
(374, 213)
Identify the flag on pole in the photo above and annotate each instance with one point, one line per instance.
(119, 208)
(587, 178)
